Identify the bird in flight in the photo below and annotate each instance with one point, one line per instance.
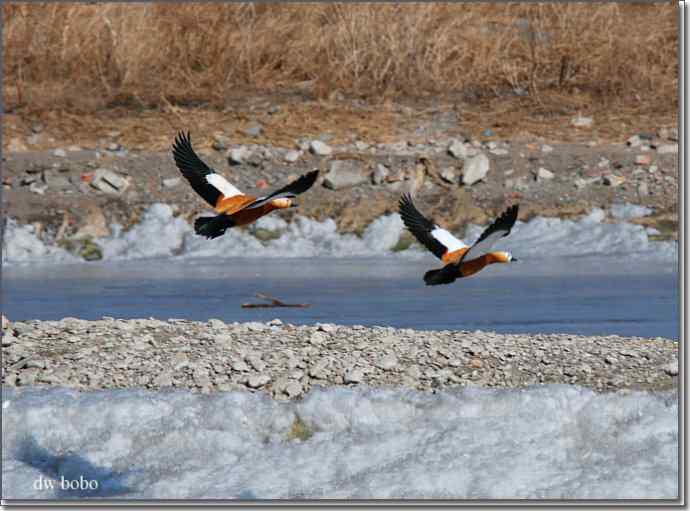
(233, 207)
(460, 259)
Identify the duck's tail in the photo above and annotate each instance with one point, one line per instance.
(212, 226)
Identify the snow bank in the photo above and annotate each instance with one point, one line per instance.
(161, 234)
(554, 441)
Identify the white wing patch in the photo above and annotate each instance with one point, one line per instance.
(447, 239)
(222, 185)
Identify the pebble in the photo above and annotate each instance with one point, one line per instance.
(667, 149)
(171, 182)
(634, 141)
(60, 153)
(258, 380)
(354, 376)
(320, 148)
(544, 174)
(379, 175)
(344, 174)
(387, 362)
(448, 175)
(613, 180)
(214, 356)
(671, 368)
(292, 156)
(237, 155)
(253, 131)
(582, 122)
(546, 148)
(220, 142)
(643, 159)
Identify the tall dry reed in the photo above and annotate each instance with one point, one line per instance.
(88, 56)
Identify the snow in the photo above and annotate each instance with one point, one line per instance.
(553, 441)
(162, 234)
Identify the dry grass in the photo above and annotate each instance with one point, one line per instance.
(85, 57)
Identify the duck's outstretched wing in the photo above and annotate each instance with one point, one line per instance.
(437, 240)
(300, 185)
(205, 181)
(497, 230)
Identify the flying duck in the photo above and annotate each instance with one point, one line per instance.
(460, 259)
(233, 207)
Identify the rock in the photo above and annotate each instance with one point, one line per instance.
(74, 148)
(38, 188)
(255, 361)
(60, 153)
(500, 152)
(240, 366)
(94, 224)
(667, 149)
(16, 146)
(544, 174)
(113, 147)
(344, 174)
(258, 380)
(353, 376)
(57, 181)
(238, 155)
(216, 324)
(671, 368)
(292, 156)
(520, 184)
(171, 182)
(293, 388)
(37, 127)
(361, 146)
(448, 175)
(275, 322)
(643, 189)
(220, 142)
(582, 122)
(475, 169)
(318, 338)
(643, 159)
(261, 184)
(387, 362)
(109, 182)
(488, 132)
(163, 380)
(5, 323)
(582, 182)
(254, 130)
(546, 148)
(379, 175)
(255, 326)
(320, 148)
(8, 338)
(634, 141)
(461, 150)
(329, 328)
(613, 180)
(669, 134)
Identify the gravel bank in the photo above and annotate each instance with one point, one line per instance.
(287, 360)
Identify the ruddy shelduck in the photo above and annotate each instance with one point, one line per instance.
(460, 259)
(233, 207)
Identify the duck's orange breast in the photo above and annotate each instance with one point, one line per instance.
(454, 256)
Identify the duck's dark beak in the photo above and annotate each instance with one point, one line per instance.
(513, 260)
(294, 204)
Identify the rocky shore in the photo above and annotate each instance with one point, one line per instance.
(73, 195)
(286, 360)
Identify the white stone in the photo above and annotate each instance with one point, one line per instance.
(171, 182)
(60, 152)
(387, 362)
(355, 375)
(320, 148)
(543, 174)
(475, 169)
(292, 156)
(546, 148)
(582, 122)
(238, 155)
(258, 380)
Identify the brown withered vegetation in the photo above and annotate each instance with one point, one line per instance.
(84, 57)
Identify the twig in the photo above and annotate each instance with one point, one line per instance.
(274, 303)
